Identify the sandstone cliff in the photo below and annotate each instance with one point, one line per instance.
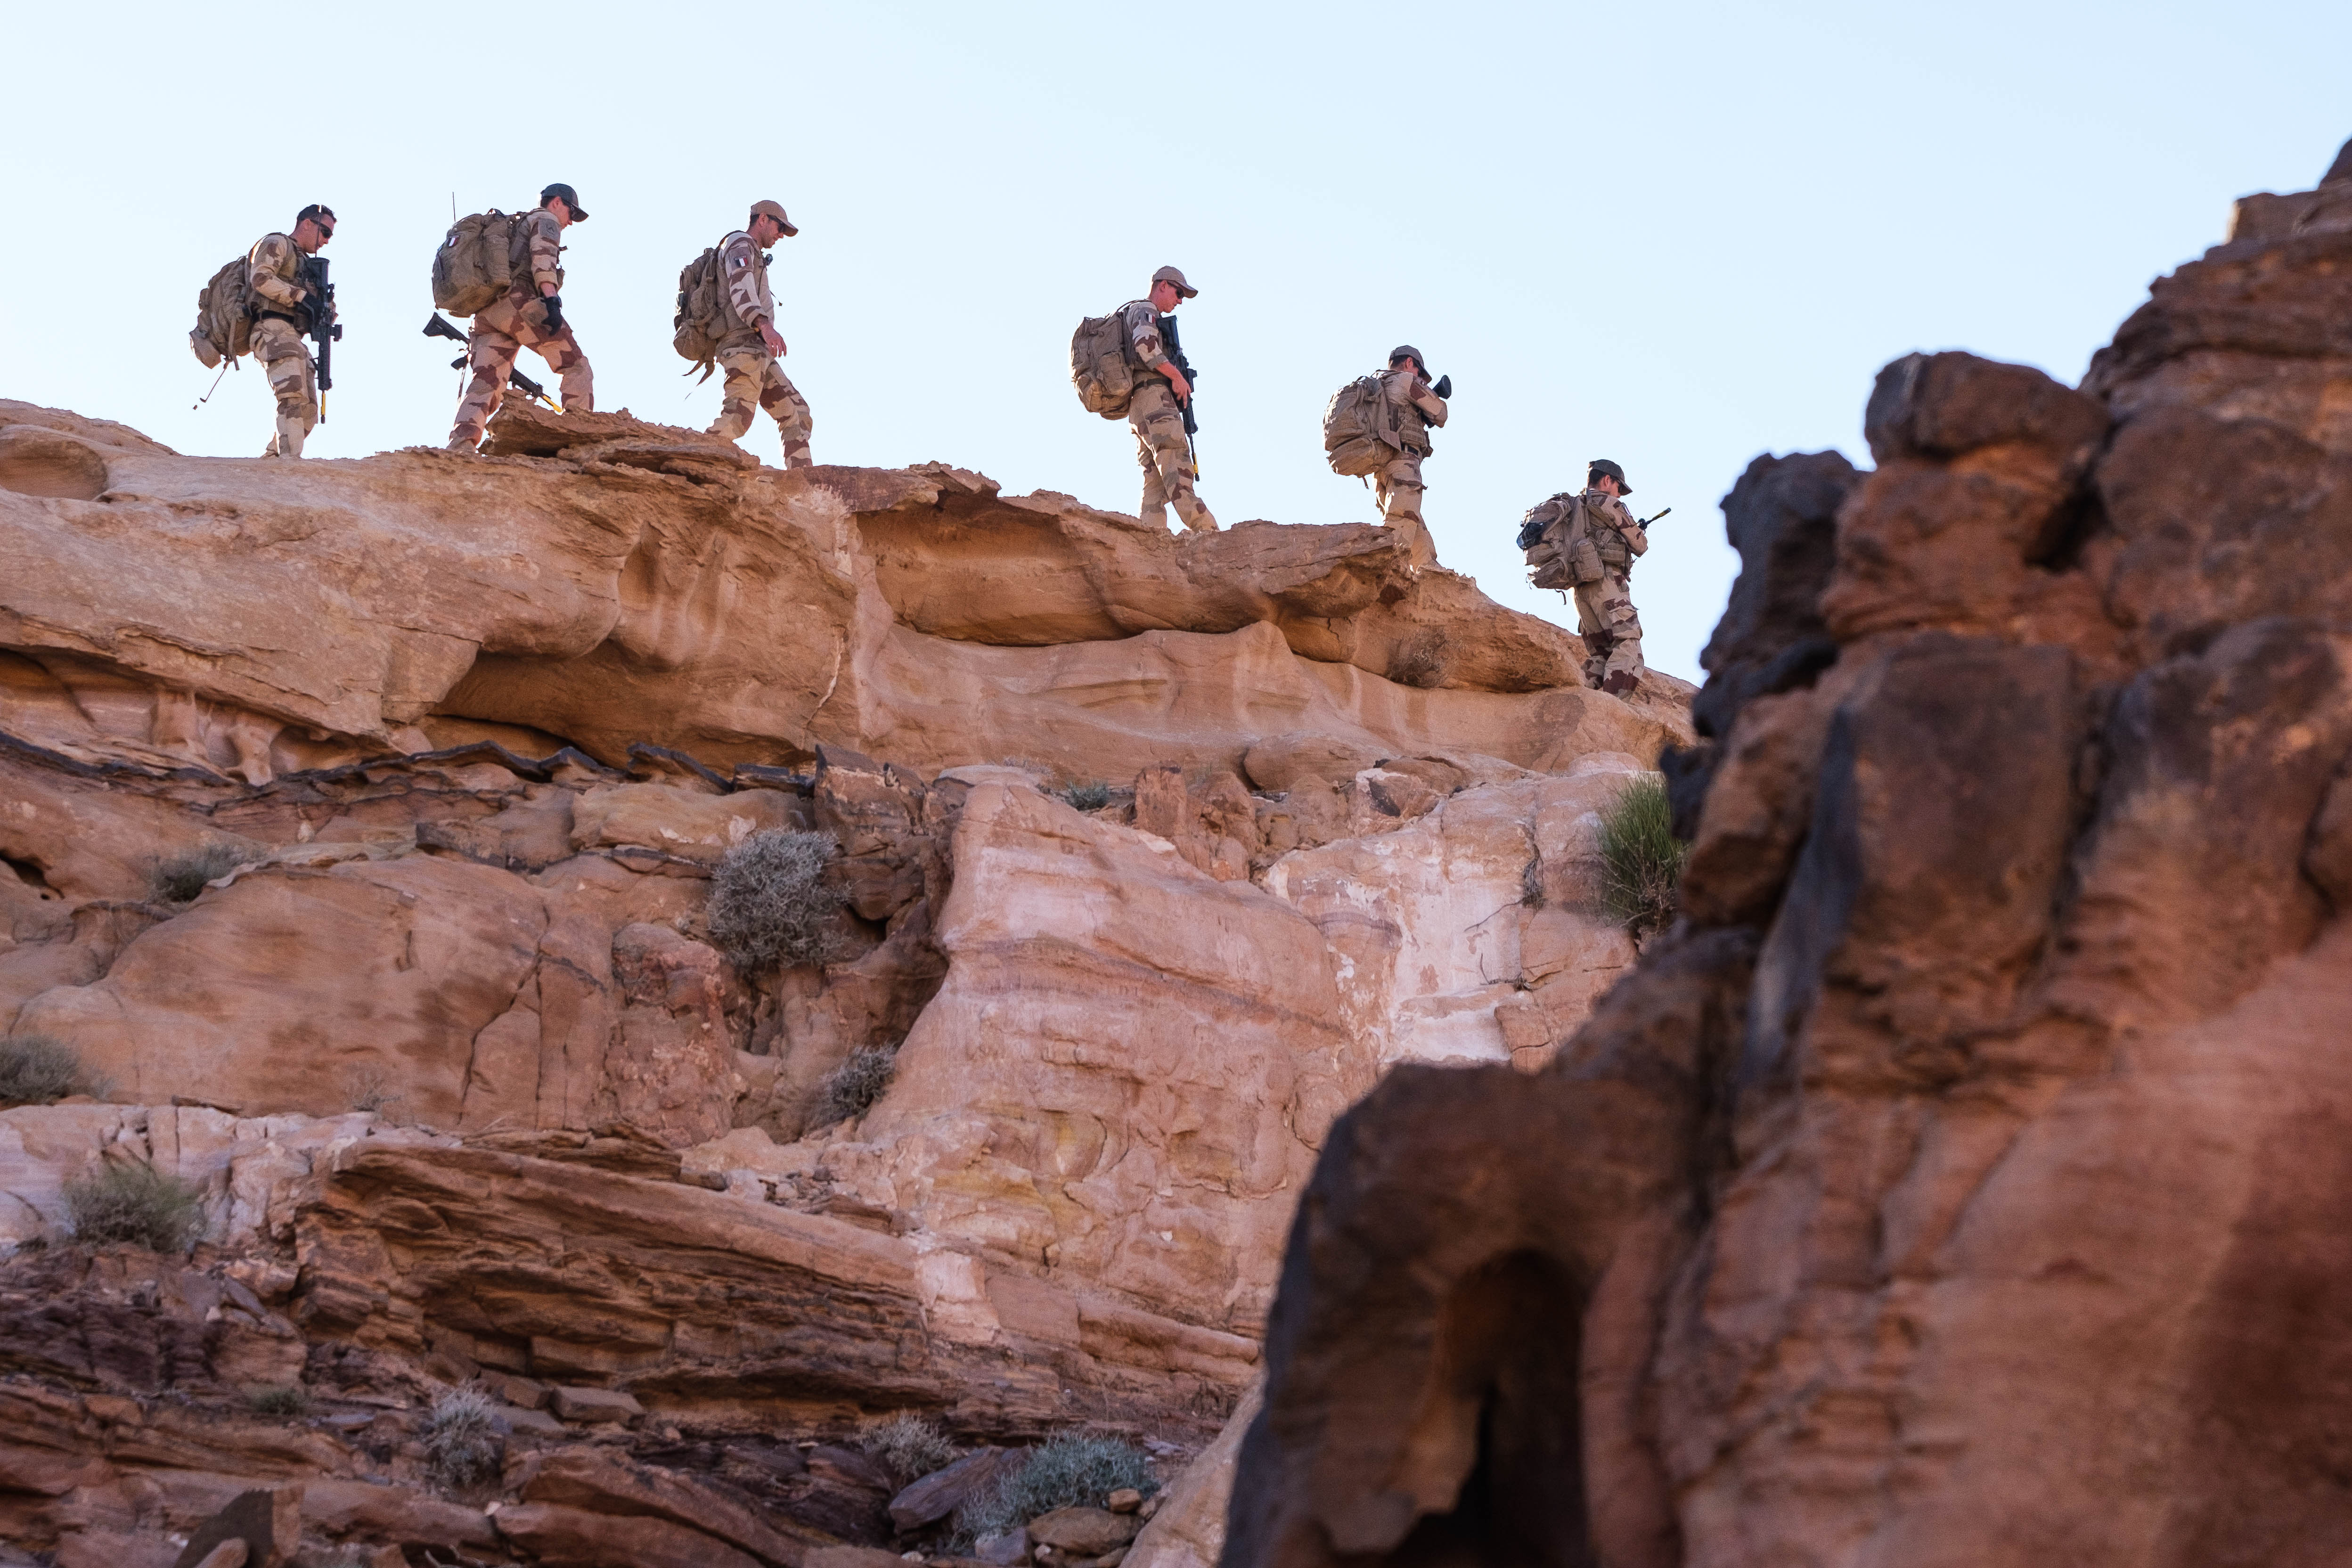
(359, 822)
(1961, 1181)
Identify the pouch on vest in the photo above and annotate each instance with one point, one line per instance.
(223, 316)
(1352, 440)
(1099, 352)
(701, 321)
(474, 264)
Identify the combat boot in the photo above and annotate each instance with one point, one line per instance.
(1197, 518)
(288, 443)
(465, 444)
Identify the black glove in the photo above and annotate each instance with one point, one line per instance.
(554, 303)
(1445, 388)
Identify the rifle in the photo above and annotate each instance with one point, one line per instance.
(1653, 518)
(434, 327)
(1176, 357)
(323, 329)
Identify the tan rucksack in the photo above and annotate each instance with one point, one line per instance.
(1102, 365)
(702, 321)
(224, 317)
(1354, 440)
(1557, 535)
(474, 264)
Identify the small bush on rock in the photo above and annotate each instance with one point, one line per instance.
(1089, 797)
(178, 878)
(911, 1447)
(769, 901)
(856, 1085)
(135, 1204)
(460, 1438)
(36, 1069)
(1073, 1470)
(1641, 858)
(286, 1400)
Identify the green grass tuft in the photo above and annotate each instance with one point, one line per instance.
(1641, 858)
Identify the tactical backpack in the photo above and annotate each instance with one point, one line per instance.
(223, 316)
(1557, 535)
(1354, 442)
(702, 321)
(476, 262)
(1102, 364)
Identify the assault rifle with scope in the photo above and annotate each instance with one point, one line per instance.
(436, 327)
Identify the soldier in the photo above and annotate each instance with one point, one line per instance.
(1604, 609)
(284, 298)
(751, 347)
(530, 317)
(1156, 414)
(1414, 406)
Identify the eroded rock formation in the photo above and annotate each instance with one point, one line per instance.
(1960, 1180)
(359, 820)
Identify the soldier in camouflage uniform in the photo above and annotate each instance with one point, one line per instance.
(530, 316)
(1413, 407)
(749, 352)
(1604, 610)
(283, 300)
(1156, 414)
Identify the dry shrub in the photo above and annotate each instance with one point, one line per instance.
(911, 1447)
(1092, 795)
(461, 1438)
(135, 1204)
(1076, 1469)
(37, 1069)
(769, 901)
(856, 1084)
(178, 878)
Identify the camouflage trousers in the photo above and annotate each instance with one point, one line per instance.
(754, 377)
(1611, 634)
(1397, 483)
(1165, 457)
(284, 357)
(502, 330)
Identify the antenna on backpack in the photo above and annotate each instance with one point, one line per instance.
(207, 398)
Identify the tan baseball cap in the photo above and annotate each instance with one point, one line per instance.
(773, 210)
(1170, 275)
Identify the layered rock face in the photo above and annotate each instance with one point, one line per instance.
(606, 583)
(1958, 1182)
(360, 823)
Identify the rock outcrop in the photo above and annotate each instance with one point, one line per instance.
(1956, 1182)
(360, 823)
(608, 584)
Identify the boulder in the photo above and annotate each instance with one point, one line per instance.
(1083, 1531)
(936, 1496)
(262, 1529)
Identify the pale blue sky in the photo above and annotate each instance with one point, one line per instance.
(1674, 235)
